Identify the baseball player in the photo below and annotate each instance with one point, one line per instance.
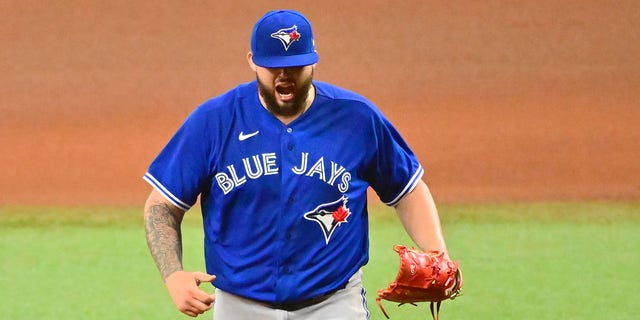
(282, 165)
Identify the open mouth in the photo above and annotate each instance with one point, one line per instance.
(286, 91)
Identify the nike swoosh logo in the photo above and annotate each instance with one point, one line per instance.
(244, 136)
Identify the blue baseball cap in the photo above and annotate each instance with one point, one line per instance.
(283, 38)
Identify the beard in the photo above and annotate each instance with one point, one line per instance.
(289, 108)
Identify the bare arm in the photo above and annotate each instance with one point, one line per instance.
(419, 216)
(162, 222)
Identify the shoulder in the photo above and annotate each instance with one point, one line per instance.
(334, 92)
(346, 100)
(224, 105)
(229, 98)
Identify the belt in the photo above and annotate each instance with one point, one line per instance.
(301, 304)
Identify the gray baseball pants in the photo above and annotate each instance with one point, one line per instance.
(345, 304)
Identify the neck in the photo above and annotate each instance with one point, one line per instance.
(286, 119)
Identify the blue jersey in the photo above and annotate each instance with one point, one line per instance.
(284, 206)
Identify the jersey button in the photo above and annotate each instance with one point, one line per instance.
(290, 146)
(289, 130)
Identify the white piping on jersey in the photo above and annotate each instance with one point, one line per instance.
(165, 192)
(408, 188)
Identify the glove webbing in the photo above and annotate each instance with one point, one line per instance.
(437, 311)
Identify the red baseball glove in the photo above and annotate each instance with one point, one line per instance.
(423, 277)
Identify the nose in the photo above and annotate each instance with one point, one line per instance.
(285, 71)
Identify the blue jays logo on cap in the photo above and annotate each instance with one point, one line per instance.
(287, 36)
(283, 38)
(329, 216)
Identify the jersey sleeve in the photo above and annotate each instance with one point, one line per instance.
(180, 170)
(395, 170)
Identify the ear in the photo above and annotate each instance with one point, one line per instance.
(250, 61)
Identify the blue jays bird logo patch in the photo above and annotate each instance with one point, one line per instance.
(330, 216)
(287, 36)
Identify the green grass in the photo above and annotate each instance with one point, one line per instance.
(519, 261)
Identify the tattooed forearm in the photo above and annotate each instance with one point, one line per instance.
(164, 238)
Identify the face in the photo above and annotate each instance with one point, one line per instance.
(284, 91)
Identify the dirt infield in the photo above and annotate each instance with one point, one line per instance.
(520, 101)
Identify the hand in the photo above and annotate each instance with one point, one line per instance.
(188, 298)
